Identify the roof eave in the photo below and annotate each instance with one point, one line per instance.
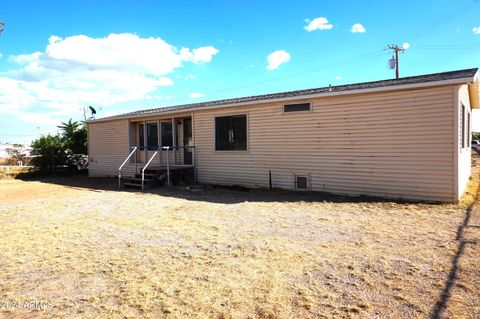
(471, 81)
(473, 93)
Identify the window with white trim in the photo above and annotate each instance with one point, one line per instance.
(469, 130)
(463, 127)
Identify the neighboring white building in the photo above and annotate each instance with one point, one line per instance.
(25, 150)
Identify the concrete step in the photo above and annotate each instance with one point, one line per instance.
(147, 176)
(153, 171)
(132, 185)
(138, 181)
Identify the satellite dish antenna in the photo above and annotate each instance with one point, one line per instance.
(92, 110)
(391, 63)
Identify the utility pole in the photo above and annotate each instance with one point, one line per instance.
(397, 49)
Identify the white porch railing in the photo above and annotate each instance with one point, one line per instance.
(133, 151)
(163, 153)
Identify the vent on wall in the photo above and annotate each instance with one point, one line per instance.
(298, 107)
(301, 183)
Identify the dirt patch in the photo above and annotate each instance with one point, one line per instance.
(95, 252)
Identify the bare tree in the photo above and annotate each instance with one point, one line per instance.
(2, 24)
(16, 155)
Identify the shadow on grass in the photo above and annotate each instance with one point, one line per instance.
(446, 293)
(216, 194)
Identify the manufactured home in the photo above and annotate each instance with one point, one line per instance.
(406, 138)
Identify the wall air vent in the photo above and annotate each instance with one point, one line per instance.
(298, 107)
(301, 183)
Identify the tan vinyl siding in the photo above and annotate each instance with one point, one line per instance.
(393, 144)
(108, 144)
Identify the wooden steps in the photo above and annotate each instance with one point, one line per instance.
(152, 176)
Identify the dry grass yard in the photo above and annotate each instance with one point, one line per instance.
(80, 248)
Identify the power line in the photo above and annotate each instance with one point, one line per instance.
(466, 46)
(447, 45)
(348, 61)
(25, 135)
(310, 70)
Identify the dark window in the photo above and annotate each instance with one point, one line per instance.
(152, 136)
(231, 133)
(141, 141)
(167, 137)
(463, 126)
(301, 182)
(296, 107)
(187, 141)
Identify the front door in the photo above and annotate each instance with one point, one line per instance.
(187, 140)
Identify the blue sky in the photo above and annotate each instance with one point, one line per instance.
(119, 56)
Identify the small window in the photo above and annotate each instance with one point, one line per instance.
(141, 140)
(231, 133)
(299, 107)
(463, 126)
(152, 136)
(301, 183)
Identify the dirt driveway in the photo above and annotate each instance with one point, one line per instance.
(79, 248)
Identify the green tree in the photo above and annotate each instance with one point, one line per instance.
(67, 149)
(74, 136)
(48, 152)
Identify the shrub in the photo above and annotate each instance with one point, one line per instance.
(48, 152)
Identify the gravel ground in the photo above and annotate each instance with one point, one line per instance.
(79, 248)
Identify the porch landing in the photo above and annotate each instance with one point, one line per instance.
(159, 174)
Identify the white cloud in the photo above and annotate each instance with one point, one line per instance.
(357, 28)
(476, 30)
(196, 95)
(203, 54)
(338, 77)
(80, 70)
(319, 23)
(406, 45)
(123, 51)
(276, 58)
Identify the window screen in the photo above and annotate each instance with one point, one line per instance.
(296, 107)
(167, 137)
(141, 140)
(231, 133)
(152, 136)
